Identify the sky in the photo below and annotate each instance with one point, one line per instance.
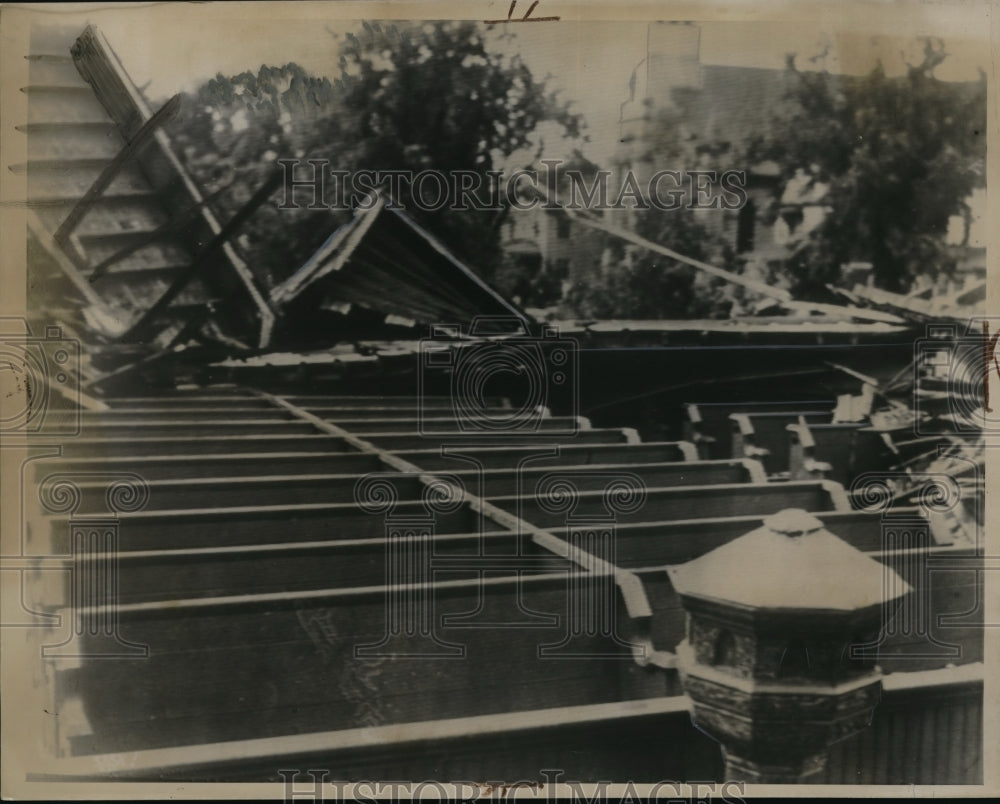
(170, 47)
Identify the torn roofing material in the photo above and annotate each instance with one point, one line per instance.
(105, 188)
(384, 261)
(959, 306)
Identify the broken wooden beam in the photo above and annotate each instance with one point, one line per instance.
(134, 144)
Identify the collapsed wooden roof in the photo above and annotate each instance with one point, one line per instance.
(960, 306)
(124, 230)
(113, 210)
(383, 260)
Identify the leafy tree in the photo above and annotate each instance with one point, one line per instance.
(899, 155)
(434, 96)
(412, 97)
(638, 284)
(530, 282)
(232, 131)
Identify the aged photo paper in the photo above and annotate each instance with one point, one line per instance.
(497, 400)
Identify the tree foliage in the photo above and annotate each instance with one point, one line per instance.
(429, 95)
(635, 283)
(232, 131)
(895, 157)
(638, 284)
(900, 156)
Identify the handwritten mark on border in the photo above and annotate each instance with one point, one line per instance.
(526, 18)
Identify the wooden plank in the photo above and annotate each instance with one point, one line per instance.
(223, 492)
(218, 527)
(171, 409)
(215, 396)
(164, 228)
(500, 457)
(123, 102)
(123, 446)
(202, 261)
(396, 442)
(104, 317)
(72, 140)
(171, 467)
(192, 491)
(142, 443)
(135, 143)
(308, 401)
(691, 502)
(580, 740)
(177, 401)
(505, 457)
(191, 415)
(762, 288)
(54, 186)
(470, 426)
(111, 211)
(114, 427)
(649, 544)
(257, 524)
(911, 731)
(156, 575)
(387, 408)
(288, 566)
